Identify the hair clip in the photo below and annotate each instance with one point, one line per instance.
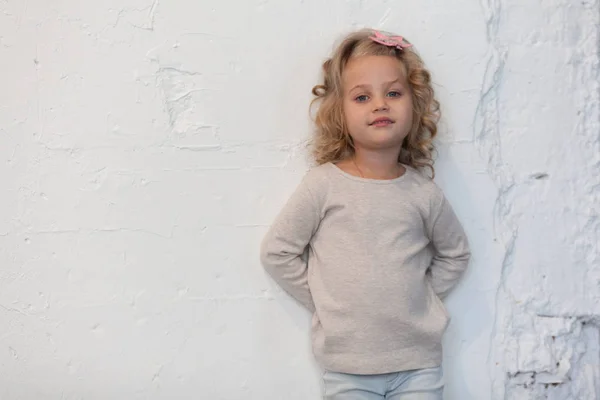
(390, 41)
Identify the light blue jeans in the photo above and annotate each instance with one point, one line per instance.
(419, 384)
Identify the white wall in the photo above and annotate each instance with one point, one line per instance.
(146, 146)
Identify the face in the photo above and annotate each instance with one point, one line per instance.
(377, 102)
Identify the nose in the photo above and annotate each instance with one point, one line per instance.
(380, 104)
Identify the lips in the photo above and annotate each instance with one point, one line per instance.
(383, 121)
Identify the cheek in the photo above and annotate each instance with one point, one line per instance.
(408, 110)
(350, 112)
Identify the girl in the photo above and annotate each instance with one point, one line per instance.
(367, 242)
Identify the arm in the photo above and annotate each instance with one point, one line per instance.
(451, 248)
(285, 242)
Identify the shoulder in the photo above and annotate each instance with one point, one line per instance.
(315, 183)
(427, 194)
(318, 176)
(422, 183)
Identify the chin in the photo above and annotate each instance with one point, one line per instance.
(382, 145)
(386, 140)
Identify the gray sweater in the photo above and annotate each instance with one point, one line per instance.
(371, 259)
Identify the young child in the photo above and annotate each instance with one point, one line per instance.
(367, 242)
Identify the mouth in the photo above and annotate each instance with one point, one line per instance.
(383, 121)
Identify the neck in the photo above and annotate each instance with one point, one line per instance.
(378, 164)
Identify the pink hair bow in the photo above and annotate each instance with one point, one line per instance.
(391, 41)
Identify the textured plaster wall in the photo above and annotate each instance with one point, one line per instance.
(146, 145)
(538, 125)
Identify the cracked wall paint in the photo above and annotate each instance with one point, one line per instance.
(147, 145)
(545, 338)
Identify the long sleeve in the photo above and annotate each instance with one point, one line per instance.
(451, 248)
(283, 246)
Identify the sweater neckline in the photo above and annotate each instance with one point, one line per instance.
(370, 180)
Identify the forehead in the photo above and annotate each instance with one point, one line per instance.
(373, 69)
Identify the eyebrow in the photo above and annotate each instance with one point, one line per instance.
(366, 86)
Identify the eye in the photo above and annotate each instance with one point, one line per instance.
(394, 93)
(362, 98)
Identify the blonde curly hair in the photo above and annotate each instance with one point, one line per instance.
(332, 141)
